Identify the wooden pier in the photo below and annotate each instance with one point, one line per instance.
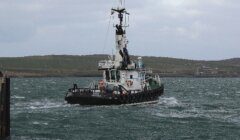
(4, 107)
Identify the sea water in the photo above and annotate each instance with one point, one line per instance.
(191, 108)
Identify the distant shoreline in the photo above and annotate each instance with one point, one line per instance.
(86, 66)
(101, 76)
(44, 75)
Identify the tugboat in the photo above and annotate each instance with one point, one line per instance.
(124, 81)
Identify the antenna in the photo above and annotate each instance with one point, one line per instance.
(123, 15)
(121, 2)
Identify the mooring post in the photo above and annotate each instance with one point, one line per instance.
(4, 107)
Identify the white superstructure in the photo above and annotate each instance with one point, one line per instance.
(121, 70)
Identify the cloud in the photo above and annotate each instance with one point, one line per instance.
(172, 28)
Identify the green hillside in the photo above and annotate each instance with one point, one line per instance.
(66, 65)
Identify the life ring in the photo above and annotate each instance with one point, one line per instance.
(101, 85)
(129, 83)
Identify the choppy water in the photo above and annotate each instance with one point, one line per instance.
(190, 109)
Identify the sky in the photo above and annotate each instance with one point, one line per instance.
(188, 29)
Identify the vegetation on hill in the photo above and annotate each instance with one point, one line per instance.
(66, 65)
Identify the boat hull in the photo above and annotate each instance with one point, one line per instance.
(145, 96)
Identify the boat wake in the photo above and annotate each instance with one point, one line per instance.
(39, 104)
(170, 107)
(169, 101)
(46, 105)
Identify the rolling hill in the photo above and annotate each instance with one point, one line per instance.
(67, 65)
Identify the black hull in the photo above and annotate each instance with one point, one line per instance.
(145, 96)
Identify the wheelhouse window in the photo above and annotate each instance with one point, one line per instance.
(107, 75)
(118, 75)
(113, 74)
(131, 76)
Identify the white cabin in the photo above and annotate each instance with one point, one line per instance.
(122, 71)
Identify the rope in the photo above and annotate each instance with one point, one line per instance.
(106, 36)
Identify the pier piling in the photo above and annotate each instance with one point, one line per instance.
(4, 107)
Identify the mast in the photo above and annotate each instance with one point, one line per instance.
(122, 59)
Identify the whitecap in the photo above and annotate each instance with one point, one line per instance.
(36, 123)
(46, 104)
(53, 82)
(39, 123)
(32, 107)
(171, 101)
(141, 103)
(18, 97)
(175, 115)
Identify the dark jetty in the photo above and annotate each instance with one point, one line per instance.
(4, 107)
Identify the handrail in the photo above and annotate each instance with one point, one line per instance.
(122, 87)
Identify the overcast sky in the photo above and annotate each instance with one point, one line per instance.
(191, 29)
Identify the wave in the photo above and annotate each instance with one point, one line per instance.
(15, 88)
(39, 123)
(169, 108)
(170, 101)
(176, 115)
(17, 97)
(46, 104)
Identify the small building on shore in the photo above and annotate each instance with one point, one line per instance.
(207, 71)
